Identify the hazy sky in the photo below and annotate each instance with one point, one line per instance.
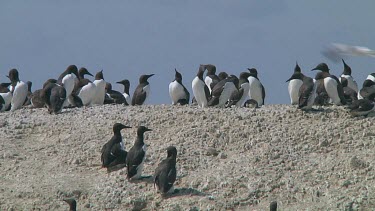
(130, 38)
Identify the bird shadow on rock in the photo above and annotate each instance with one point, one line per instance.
(143, 179)
(178, 192)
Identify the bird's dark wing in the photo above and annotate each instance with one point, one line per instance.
(117, 97)
(304, 92)
(263, 93)
(187, 94)
(139, 96)
(165, 176)
(107, 156)
(207, 92)
(133, 159)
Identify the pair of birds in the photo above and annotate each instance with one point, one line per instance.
(219, 91)
(115, 157)
(13, 95)
(325, 88)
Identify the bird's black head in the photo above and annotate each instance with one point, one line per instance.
(297, 69)
(13, 76)
(222, 75)
(99, 75)
(108, 86)
(144, 78)
(322, 67)
(83, 71)
(124, 82)
(201, 70)
(29, 84)
(253, 72)
(172, 151)
(244, 75)
(368, 83)
(211, 69)
(142, 129)
(177, 76)
(72, 69)
(347, 69)
(118, 126)
(72, 204)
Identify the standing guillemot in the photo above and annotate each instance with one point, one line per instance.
(243, 89)
(332, 84)
(98, 97)
(113, 96)
(54, 96)
(18, 90)
(307, 93)
(211, 78)
(137, 155)
(256, 91)
(142, 92)
(165, 174)
(349, 94)
(177, 91)
(113, 152)
(29, 93)
(84, 88)
(223, 90)
(126, 84)
(68, 79)
(347, 73)
(295, 82)
(200, 89)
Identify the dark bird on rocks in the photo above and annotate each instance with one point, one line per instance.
(142, 92)
(113, 152)
(165, 173)
(136, 155)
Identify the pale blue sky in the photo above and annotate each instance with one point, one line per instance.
(130, 38)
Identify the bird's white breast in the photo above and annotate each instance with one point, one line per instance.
(19, 95)
(198, 91)
(330, 85)
(293, 89)
(176, 92)
(255, 91)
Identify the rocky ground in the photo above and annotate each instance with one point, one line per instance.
(228, 159)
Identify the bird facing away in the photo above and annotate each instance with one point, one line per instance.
(295, 82)
(18, 89)
(142, 92)
(200, 89)
(113, 152)
(257, 91)
(165, 173)
(136, 155)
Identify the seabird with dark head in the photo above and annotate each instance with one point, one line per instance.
(295, 82)
(307, 93)
(257, 91)
(223, 90)
(211, 78)
(200, 89)
(142, 92)
(347, 73)
(165, 174)
(177, 91)
(54, 96)
(98, 97)
(126, 84)
(113, 96)
(68, 79)
(72, 204)
(137, 155)
(113, 152)
(18, 89)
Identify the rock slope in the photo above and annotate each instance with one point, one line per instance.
(228, 159)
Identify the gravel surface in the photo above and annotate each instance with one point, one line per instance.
(228, 159)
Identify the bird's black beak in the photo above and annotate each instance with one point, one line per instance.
(88, 73)
(149, 76)
(126, 126)
(315, 69)
(118, 82)
(148, 129)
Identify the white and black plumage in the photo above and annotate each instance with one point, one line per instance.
(349, 94)
(113, 152)
(165, 174)
(98, 98)
(6, 96)
(307, 93)
(54, 96)
(295, 82)
(257, 91)
(347, 73)
(243, 89)
(177, 91)
(332, 84)
(211, 78)
(68, 79)
(126, 94)
(18, 89)
(113, 96)
(223, 91)
(222, 76)
(142, 92)
(84, 88)
(72, 204)
(368, 88)
(361, 107)
(322, 97)
(200, 89)
(136, 155)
